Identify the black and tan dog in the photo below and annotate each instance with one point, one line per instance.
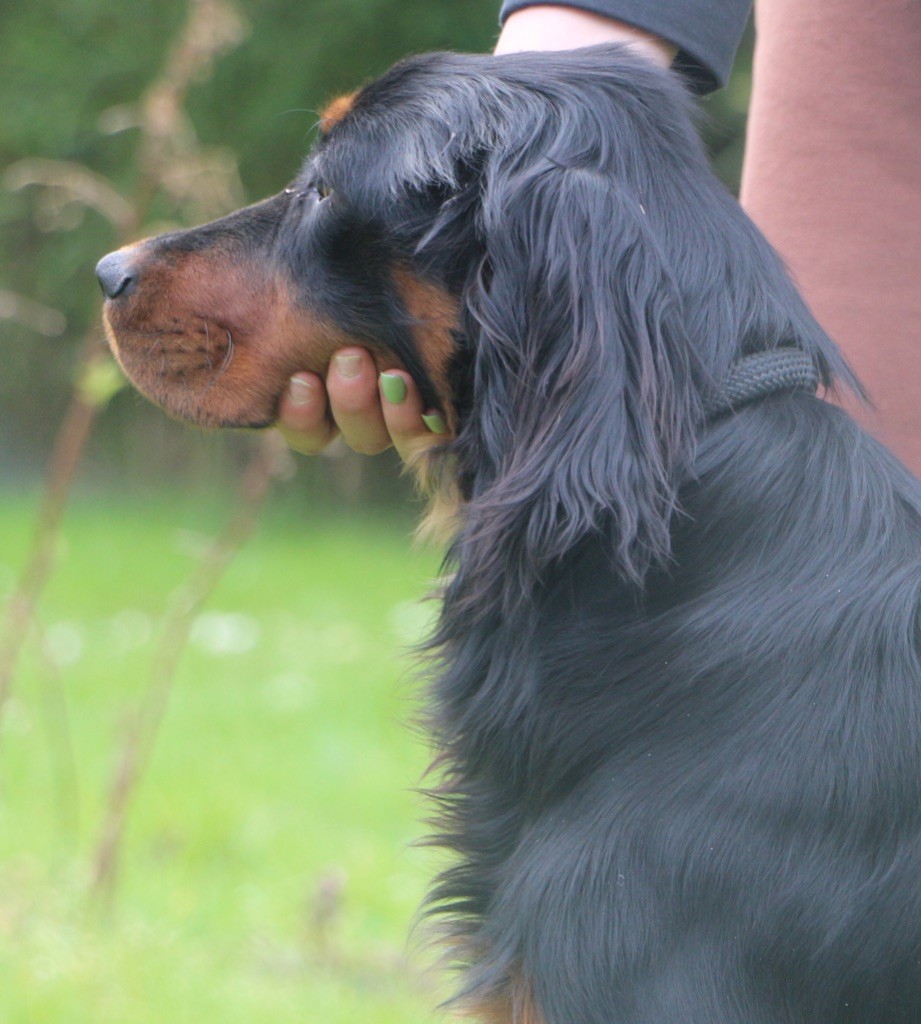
(676, 677)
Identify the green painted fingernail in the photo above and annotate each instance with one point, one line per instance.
(435, 423)
(393, 387)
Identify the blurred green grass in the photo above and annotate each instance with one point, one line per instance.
(267, 870)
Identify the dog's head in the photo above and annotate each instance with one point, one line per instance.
(538, 240)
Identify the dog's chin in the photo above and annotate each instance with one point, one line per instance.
(210, 408)
(206, 397)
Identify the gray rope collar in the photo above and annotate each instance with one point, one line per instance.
(764, 373)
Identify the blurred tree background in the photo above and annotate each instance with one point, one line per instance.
(203, 776)
(71, 72)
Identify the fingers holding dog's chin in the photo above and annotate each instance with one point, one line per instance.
(373, 412)
(353, 399)
(403, 412)
(302, 417)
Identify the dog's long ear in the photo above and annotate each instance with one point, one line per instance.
(585, 400)
(614, 282)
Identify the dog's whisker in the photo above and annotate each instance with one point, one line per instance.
(228, 355)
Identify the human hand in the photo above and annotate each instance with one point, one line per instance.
(371, 411)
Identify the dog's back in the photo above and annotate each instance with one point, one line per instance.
(716, 785)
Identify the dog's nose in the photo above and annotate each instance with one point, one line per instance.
(114, 274)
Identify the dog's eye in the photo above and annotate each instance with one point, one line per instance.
(319, 190)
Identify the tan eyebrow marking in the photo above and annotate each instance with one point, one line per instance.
(335, 111)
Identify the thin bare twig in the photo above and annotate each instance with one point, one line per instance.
(61, 743)
(68, 448)
(74, 183)
(212, 27)
(267, 465)
(31, 314)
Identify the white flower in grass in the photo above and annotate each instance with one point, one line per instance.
(224, 633)
(130, 629)
(64, 643)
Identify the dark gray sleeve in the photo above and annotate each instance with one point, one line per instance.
(706, 32)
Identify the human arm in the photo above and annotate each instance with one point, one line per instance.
(554, 27)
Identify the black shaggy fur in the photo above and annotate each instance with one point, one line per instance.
(677, 683)
(679, 686)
